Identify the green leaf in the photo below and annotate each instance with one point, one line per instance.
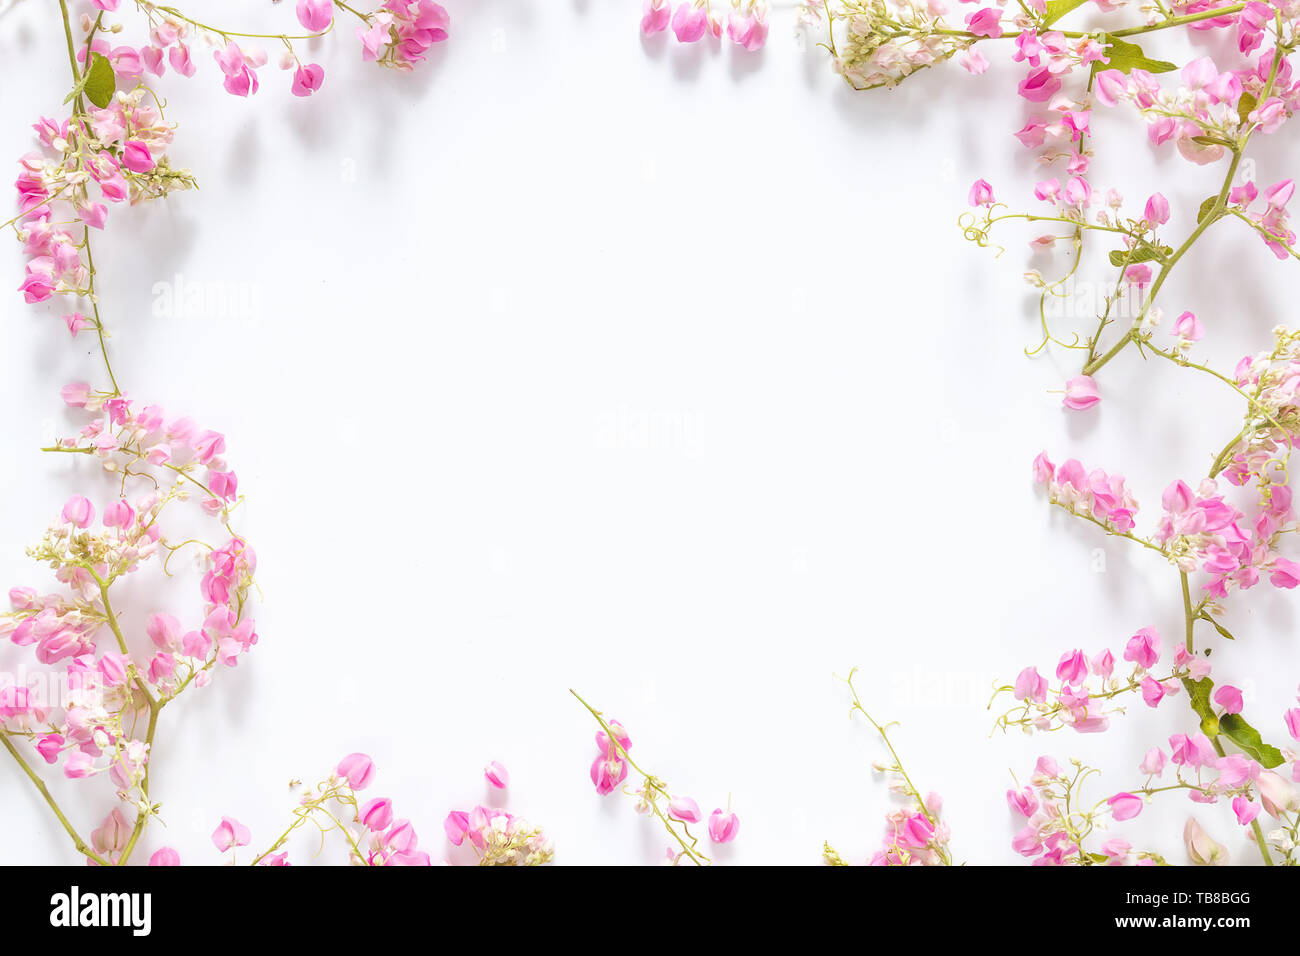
(1129, 56)
(1245, 106)
(100, 84)
(1199, 692)
(1059, 8)
(1235, 728)
(1232, 726)
(1205, 617)
(1201, 213)
(1143, 253)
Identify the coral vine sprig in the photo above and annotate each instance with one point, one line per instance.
(675, 812)
(914, 835)
(746, 24)
(1210, 114)
(93, 709)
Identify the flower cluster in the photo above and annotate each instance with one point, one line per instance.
(375, 836)
(1058, 821)
(401, 32)
(1208, 110)
(1094, 494)
(746, 25)
(914, 833)
(90, 704)
(498, 837)
(100, 157)
(676, 812)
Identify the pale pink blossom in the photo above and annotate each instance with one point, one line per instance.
(497, 775)
(723, 826)
(229, 834)
(1081, 392)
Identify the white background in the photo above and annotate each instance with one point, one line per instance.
(475, 284)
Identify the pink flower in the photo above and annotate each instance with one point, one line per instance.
(179, 57)
(1125, 806)
(655, 16)
(111, 837)
(1201, 847)
(307, 80)
(620, 736)
(1027, 842)
(1188, 328)
(1157, 210)
(1077, 191)
(1072, 667)
(1032, 134)
(1229, 698)
(1153, 692)
(78, 765)
(164, 630)
(1047, 768)
(1277, 795)
(1024, 801)
(1117, 850)
(1292, 719)
(39, 283)
(1153, 764)
(497, 775)
(165, 856)
(607, 772)
(456, 826)
(136, 157)
(1044, 470)
(981, 194)
(79, 511)
(1081, 392)
(230, 833)
(1286, 574)
(315, 15)
(1270, 115)
(973, 62)
(152, 57)
(1030, 686)
(916, 831)
(748, 29)
(684, 809)
(1143, 648)
(240, 79)
(112, 668)
(986, 22)
(373, 40)
(357, 769)
(49, 746)
(1103, 665)
(94, 215)
(119, 514)
(1235, 770)
(1028, 48)
(1193, 750)
(1040, 85)
(1245, 809)
(377, 814)
(689, 21)
(723, 826)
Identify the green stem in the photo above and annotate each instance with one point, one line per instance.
(39, 784)
(688, 847)
(1189, 617)
(142, 819)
